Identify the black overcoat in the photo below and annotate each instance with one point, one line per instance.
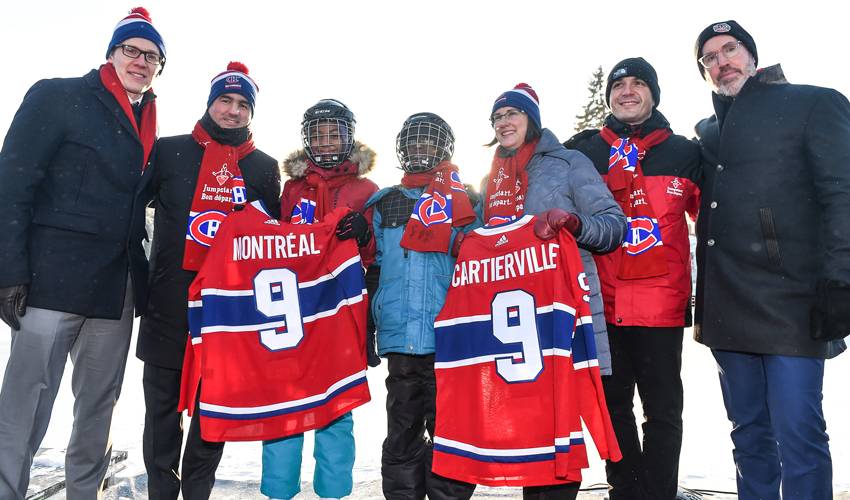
(72, 199)
(164, 327)
(774, 222)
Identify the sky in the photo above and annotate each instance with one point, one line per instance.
(388, 60)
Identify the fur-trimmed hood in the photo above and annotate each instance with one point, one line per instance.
(295, 165)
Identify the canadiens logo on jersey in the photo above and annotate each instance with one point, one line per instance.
(433, 208)
(304, 212)
(277, 319)
(643, 234)
(203, 226)
(623, 154)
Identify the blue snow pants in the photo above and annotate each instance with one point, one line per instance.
(334, 454)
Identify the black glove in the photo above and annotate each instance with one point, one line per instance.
(13, 304)
(354, 225)
(831, 315)
(373, 275)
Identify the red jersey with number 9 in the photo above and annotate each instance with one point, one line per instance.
(516, 363)
(277, 319)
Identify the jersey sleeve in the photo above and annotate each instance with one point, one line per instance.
(587, 380)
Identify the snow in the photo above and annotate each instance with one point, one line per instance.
(706, 461)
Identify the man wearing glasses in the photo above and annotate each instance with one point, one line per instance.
(773, 259)
(72, 172)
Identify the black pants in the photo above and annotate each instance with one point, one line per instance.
(650, 358)
(163, 437)
(407, 453)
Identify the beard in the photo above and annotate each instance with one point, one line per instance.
(732, 88)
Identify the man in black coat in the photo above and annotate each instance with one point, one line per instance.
(198, 178)
(72, 175)
(773, 260)
(645, 311)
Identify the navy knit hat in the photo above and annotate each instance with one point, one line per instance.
(521, 97)
(136, 25)
(234, 81)
(730, 28)
(639, 68)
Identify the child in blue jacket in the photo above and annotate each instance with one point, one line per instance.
(416, 224)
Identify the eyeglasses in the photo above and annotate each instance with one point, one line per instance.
(507, 115)
(134, 53)
(729, 50)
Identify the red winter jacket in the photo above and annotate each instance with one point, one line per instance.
(353, 193)
(671, 173)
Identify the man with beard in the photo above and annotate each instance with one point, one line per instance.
(199, 178)
(773, 259)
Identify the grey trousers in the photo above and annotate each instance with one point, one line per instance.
(98, 349)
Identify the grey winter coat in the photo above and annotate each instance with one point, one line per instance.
(566, 179)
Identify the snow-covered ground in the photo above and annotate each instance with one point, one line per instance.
(706, 461)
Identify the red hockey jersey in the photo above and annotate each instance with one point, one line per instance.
(516, 363)
(277, 319)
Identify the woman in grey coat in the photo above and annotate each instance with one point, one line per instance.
(534, 174)
(564, 179)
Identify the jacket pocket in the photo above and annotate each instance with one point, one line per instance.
(771, 240)
(69, 221)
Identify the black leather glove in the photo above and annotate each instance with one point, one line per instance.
(373, 275)
(831, 315)
(354, 225)
(13, 304)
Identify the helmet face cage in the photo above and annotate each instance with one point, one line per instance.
(327, 133)
(328, 141)
(424, 141)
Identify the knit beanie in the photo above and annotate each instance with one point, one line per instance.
(638, 68)
(730, 28)
(234, 81)
(521, 97)
(136, 25)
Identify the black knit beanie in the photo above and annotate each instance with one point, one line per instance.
(638, 68)
(730, 28)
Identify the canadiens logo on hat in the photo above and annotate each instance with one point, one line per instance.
(721, 28)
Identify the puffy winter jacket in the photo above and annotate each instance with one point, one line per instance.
(413, 285)
(353, 193)
(566, 179)
(671, 172)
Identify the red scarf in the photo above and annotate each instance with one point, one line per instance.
(320, 181)
(444, 204)
(507, 184)
(219, 187)
(641, 255)
(147, 131)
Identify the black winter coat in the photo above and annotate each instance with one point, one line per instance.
(72, 199)
(774, 223)
(162, 334)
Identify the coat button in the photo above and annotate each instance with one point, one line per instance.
(619, 320)
(713, 204)
(720, 168)
(710, 242)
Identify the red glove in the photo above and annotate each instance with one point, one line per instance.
(551, 221)
(457, 243)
